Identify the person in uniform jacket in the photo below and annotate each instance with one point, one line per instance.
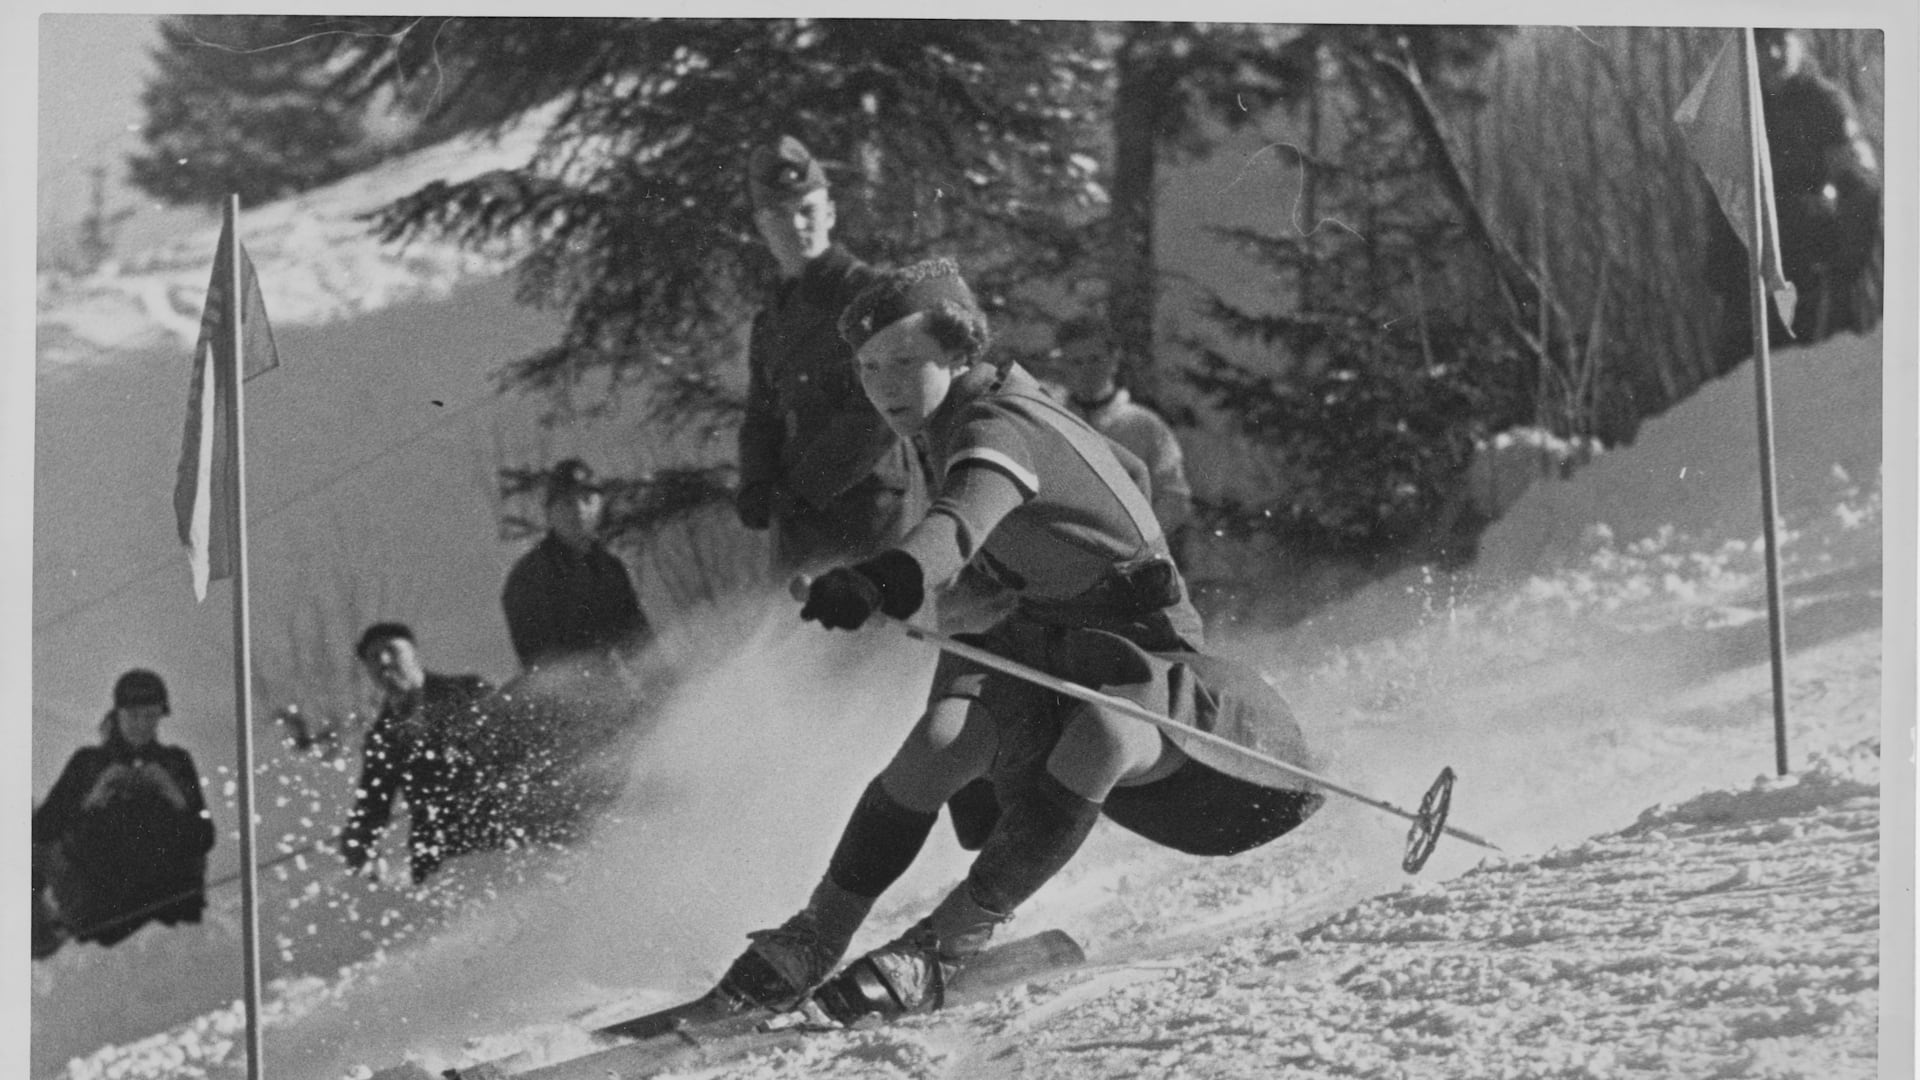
(1030, 491)
(1088, 370)
(123, 836)
(577, 627)
(568, 596)
(424, 746)
(1827, 201)
(819, 468)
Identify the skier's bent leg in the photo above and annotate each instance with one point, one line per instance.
(1039, 831)
(1099, 749)
(953, 743)
(882, 837)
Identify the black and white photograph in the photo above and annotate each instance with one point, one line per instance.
(1018, 542)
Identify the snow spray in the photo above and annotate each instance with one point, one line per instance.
(736, 796)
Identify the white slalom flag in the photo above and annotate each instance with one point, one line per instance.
(204, 488)
(1714, 124)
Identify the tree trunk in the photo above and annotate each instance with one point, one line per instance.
(1142, 88)
(1522, 290)
(1309, 218)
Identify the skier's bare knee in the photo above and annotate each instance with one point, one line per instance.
(1099, 749)
(953, 743)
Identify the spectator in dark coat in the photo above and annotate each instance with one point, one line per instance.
(122, 839)
(577, 627)
(1827, 199)
(428, 747)
(819, 467)
(569, 596)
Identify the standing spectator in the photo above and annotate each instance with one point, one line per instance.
(577, 626)
(569, 597)
(425, 746)
(1087, 366)
(122, 839)
(1827, 198)
(819, 467)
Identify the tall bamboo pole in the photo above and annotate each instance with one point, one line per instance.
(1763, 393)
(242, 635)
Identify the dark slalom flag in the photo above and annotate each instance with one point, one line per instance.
(204, 489)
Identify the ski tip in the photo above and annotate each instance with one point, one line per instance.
(1061, 948)
(485, 1071)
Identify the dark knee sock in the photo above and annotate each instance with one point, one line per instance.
(881, 840)
(1039, 831)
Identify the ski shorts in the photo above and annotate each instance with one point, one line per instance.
(1216, 803)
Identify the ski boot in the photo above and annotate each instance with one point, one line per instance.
(906, 977)
(781, 967)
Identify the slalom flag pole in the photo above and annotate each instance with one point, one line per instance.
(242, 632)
(1723, 124)
(210, 511)
(1766, 246)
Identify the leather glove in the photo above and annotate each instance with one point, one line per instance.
(754, 505)
(845, 597)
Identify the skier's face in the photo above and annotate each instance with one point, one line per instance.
(1086, 367)
(139, 724)
(1780, 53)
(798, 229)
(394, 666)
(906, 374)
(576, 516)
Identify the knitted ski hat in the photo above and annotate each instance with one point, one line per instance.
(933, 286)
(140, 687)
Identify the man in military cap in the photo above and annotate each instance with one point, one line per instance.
(819, 468)
(576, 625)
(569, 597)
(1827, 193)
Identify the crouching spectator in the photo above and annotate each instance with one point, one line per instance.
(429, 746)
(123, 836)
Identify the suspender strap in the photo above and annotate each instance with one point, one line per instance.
(1091, 446)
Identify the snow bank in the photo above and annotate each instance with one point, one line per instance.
(314, 253)
(1695, 469)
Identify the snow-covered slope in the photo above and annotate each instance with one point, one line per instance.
(1599, 681)
(1665, 906)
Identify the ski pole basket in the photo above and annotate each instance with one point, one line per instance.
(1429, 823)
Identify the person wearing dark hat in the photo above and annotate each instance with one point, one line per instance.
(122, 839)
(1827, 194)
(568, 597)
(577, 626)
(1030, 491)
(1087, 367)
(819, 469)
(425, 746)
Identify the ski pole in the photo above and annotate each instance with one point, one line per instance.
(200, 890)
(1429, 822)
